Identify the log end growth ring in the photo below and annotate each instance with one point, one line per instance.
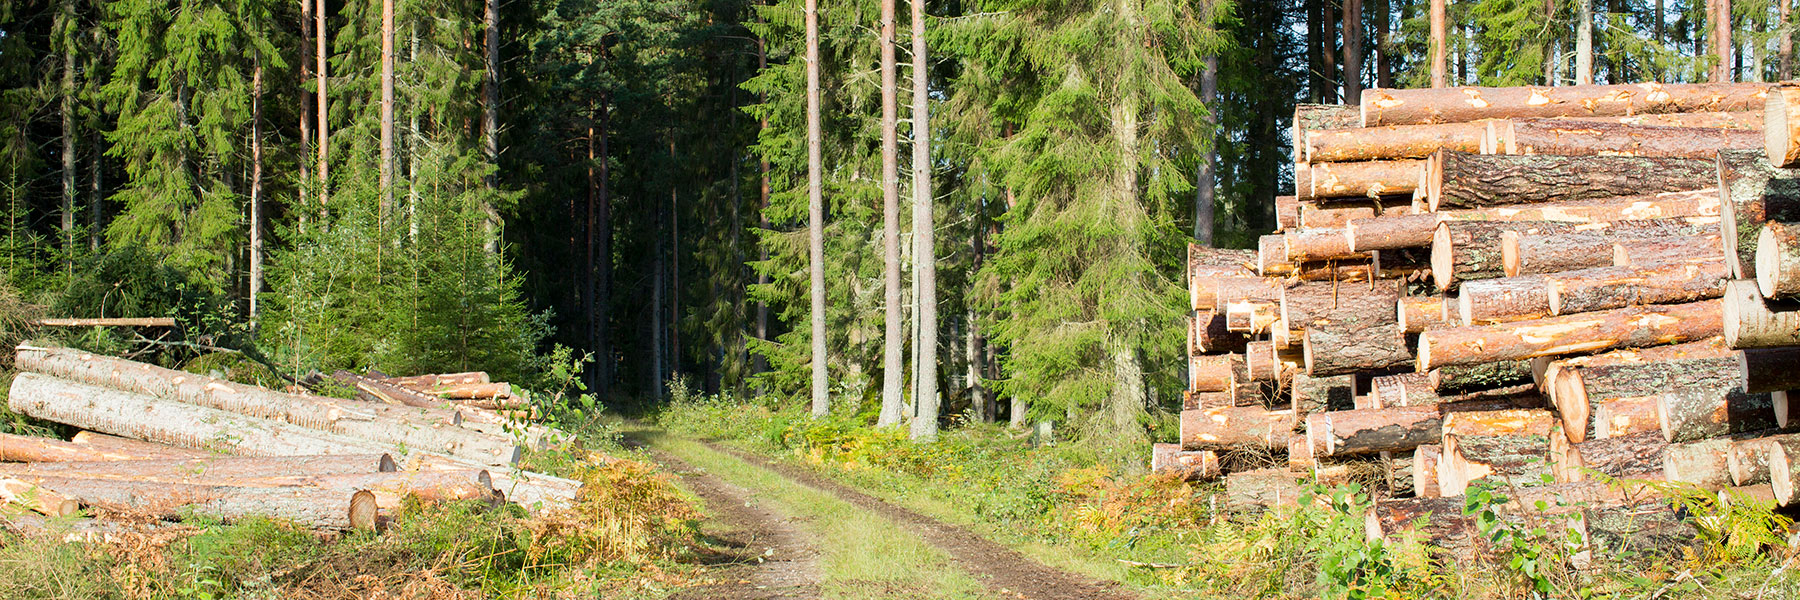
(1569, 393)
(362, 510)
(1442, 258)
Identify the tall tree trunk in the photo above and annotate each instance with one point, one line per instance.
(1439, 37)
(600, 237)
(924, 234)
(322, 107)
(758, 362)
(256, 176)
(490, 116)
(1759, 47)
(414, 141)
(592, 329)
(1721, 40)
(1126, 402)
(306, 106)
(1584, 43)
(1205, 184)
(65, 16)
(976, 346)
(656, 309)
(1328, 50)
(387, 111)
(815, 212)
(893, 331)
(1315, 45)
(1785, 46)
(1353, 50)
(1552, 46)
(1384, 45)
(96, 156)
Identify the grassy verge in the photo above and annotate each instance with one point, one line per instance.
(1072, 507)
(862, 555)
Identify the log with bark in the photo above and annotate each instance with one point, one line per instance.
(113, 443)
(1555, 136)
(1220, 293)
(1419, 313)
(1570, 334)
(44, 501)
(1367, 179)
(1748, 461)
(1575, 388)
(1477, 376)
(1699, 413)
(1192, 466)
(1271, 256)
(1416, 230)
(414, 428)
(21, 448)
(1635, 456)
(1469, 250)
(1316, 117)
(1207, 334)
(1460, 104)
(1236, 428)
(268, 469)
(1392, 429)
(1605, 288)
(1638, 529)
(472, 391)
(1456, 180)
(1431, 520)
(1321, 394)
(1308, 245)
(1778, 260)
(1401, 480)
(1287, 210)
(1621, 417)
(1505, 445)
(1750, 120)
(369, 389)
(1683, 249)
(1784, 457)
(1314, 304)
(1704, 463)
(1260, 362)
(1406, 389)
(1769, 369)
(1751, 194)
(315, 507)
(1588, 245)
(1781, 115)
(1351, 345)
(1246, 390)
(1503, 299)
(1211, 373)
(1315, 215)
(1392, 142)
(1261, 489)
(424, 382)
(110, 322)
(1750, 321)
(1251, 316)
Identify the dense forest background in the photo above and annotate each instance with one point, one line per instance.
(516, 185)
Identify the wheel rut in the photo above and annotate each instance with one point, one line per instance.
(768, 555)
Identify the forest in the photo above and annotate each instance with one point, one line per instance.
(854, 226)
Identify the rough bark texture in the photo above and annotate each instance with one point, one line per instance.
(378, 424)
(1484, 375)
(113, 443)
(1752, 322)
(1261, 489)
(1287, 211)
(1419, 313)
(1686, 249)
(1576, 389)
(1769, 369)
(1781, 114)
(1349, 346)
(1314, 215)
(1461, 180)
(1251, 315)
(318, 508)
(1748, 119)
(1504, 299)
(1702, 412)
(1748, 462)
(21, 448)
(1245, 390)
(1778, 260)
(423, 382)
(1352, 432)
(1703, 463)
(1550, 250)
(1751, 194)
(1236, 428)
(1642, 529)
(1392, 142)
(44, 501)
(1307, 245)
(1401, 479)
(1624, 457)
(1385, 233)
(471, 391)
(1211, 373)
(374, 390)
(1431, 520)
(1321, 394)
(1589, 290)
(1318, 304)
(1271, 256)
(1191, 466)
(1556, 136)
(1406, 389)
(1570, 334)
(1508, 445)
(1416, 230)
(1460, 104)
(1259, 361)
(1369, 179)
(1469, 250)
(1191, 400)
(1316, 117)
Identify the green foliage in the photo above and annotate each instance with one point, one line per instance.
(1732, 527)
(1535, 541)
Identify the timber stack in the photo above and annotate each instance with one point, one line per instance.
(1549, 289)
(162, 444)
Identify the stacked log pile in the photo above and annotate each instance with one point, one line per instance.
(1568, 286)
(163, 443)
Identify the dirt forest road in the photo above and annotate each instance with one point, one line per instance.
(792, 533)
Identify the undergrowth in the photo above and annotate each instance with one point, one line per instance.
(1183, 544)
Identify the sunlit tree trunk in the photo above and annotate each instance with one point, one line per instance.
(815, 212)
(924, 236)
(1584, 43)
(387, 109)
(1439, 37)
(893, 346)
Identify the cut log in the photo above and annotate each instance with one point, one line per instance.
(1260, 363)
(375, 390)
(1753, 322)
(1505, 445)
(20, 448)
(1555, 136)
(413, 428)
(1392, 142)
(1385, 233)
(1287, 211)
(1425, 468)
(1461, 180)
(1624, 457)
(1316, 117)
(1251, 316)
(1468, 250)
(431, 487)
(1751, 120)
(1206, 262)
(110, 322)
(472, 391)
(1588, 245)
(1769, 369)
(1416, 230)
(1785, 412)
(1418, 313)
(1433, 521)
(318, 508)
(1211, 373)
(1621, 417)
(1302, 181)
(1245, 390)
(1306, 245)
(1236, 428)
(1211, 337)
(1350, 346)
(1368, 179)
(1605, 288)
(536, 492)
(1781, 114)
(1306, 305)
(1700, 413)
(1649, 251)
(1406, 389)
(212, 469)
(1333, 216)
(1381, 106)
(1751, 194)
(1300, 458)
(1271, 256)
(1576, 387)
(101, 441)
(1748, 462)
(1261, 489)
(1475, 376)
(1504, 299)
(1321, 394)
(1352, 432)
(434, 380)
(1204, 400)
(1191, 466)
(1778, 260)
(1569, 334)
(1784, 457)
(47, 502)
(1703, 463)
(1225, 291)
